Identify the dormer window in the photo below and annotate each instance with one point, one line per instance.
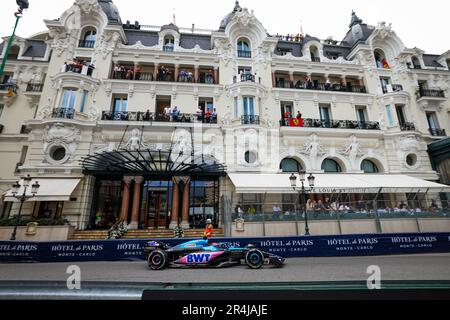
(244, 49)
(88, 39)
(416, 63)
(315, 57)
(380, 60)
(169, 44)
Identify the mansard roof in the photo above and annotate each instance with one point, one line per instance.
(111, 11)
(430, 60)
(35, 49)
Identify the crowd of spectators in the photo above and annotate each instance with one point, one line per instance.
(78, 66)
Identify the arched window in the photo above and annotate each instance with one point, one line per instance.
(369, 167)
(14, 53)
(331, 166)
(416, 63)
(315, 57)
(244, 50)
(380, 60)
(88, 39)
(169, 43)
(290, 165)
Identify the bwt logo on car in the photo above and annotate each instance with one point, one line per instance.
(198, 258)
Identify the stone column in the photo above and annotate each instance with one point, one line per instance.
(136, 204)
(196, 73)
(216, 75)
(175, 204)
(274, 79)
(344, 80)
(125, 199)
(186, 204)
(176, 73)
(291, 77)
(155, 72)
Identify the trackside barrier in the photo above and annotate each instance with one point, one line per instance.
(314, 246)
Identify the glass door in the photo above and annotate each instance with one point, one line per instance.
(157, 208)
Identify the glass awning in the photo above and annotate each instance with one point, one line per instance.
(148, 162)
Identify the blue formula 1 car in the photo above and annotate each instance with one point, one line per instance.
(200, 253)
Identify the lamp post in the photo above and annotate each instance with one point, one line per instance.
(23, 197)
(302, 191)
(23, 4)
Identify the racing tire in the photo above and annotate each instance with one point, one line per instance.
(254, 259)
(158, 260)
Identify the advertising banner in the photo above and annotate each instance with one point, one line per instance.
(314, 246)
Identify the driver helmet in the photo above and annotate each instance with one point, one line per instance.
(209, 221)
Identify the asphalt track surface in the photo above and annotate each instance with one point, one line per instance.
(404, 267)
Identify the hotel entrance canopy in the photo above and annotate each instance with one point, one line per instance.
(50, 190)
(335, 183)
(146, 162)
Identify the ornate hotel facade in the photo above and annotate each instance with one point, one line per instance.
(87, 109)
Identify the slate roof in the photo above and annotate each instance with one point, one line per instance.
(350, 41)
(189, 41)
(148, 38)
(430, 60)
(35, 49)
(111, 11)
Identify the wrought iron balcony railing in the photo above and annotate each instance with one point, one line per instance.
(437, 132)
(321, 87)
(331, 124)
(250, 119)
(63, 113)
(157, 117)
(246, 77)
(86, 44)
(244, 54)
(407, 126)
(8, 86)
(35, 87)
(433, 93)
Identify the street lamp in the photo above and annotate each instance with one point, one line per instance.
(23, 197)
(302, 191)
(23, 4)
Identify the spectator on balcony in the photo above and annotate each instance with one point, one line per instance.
(328, 85)
(433, 207)
(214, 116)
(199, 113)
(175, 114)
(299, 115)
(147, 116)
(91, 69)
(318, 207)
(276, 210)
(116, 71)
(209, 78)
(309, 83)
(65, 67)
(167, 113)
(130, 74)
(183, 76)
(208, 115)
(137, 72)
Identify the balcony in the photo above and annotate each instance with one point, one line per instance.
(81, 68)
(86, 44)
(9, 87)
(63, 113)
(168, 48)
(314, 59)
(250, 119)
(244, 54)
(407, 126)
(330, 124)
(431, 93)
(246, 77)
(436, 132)
(35, 87)
(155, 117)
(321, 87)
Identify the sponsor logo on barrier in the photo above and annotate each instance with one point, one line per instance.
(131, 249)
(374, 280)
(414, 242)
(74, 280)
(84, 250)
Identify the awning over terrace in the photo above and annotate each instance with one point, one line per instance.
(50, 190)
(335, 183)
